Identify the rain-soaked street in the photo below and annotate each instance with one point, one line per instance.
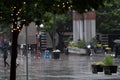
(68, 67)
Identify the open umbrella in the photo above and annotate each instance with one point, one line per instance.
(116, 41)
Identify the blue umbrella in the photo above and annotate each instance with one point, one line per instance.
(116, 41)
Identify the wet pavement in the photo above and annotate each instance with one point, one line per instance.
(68, 67)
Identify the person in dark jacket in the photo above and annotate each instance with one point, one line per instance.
(116, 50)
(5, 53)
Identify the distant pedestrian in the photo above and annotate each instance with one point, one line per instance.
(5, 52)
(116, 50)
(1, 45)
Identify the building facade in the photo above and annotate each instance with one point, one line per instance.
(84, 26)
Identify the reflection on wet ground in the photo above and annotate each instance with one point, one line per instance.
(68, 67)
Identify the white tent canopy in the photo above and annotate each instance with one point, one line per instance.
(31, 35)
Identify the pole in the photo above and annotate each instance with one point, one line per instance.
(37, 46)
(26, 55)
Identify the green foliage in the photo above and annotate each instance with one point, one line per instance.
(81, 44)
(108, 60)
(98, 63)
(62, 21)
(110, 12)
(72, 44)
(66, 42)
(81, 6)
(36, 8)
(93, 41)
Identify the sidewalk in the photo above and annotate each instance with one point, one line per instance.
(68, 67)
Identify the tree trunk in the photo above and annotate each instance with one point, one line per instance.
(13, 56)
(54, 31)
(15, 32)
(61, 44)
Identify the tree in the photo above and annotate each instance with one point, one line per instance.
(5, 31)
(110, 12)
(21, 12)
(63, 23)
(16, 13)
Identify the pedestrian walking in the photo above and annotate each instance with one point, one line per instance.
(5, 52)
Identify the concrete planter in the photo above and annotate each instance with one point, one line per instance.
(77, 50)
